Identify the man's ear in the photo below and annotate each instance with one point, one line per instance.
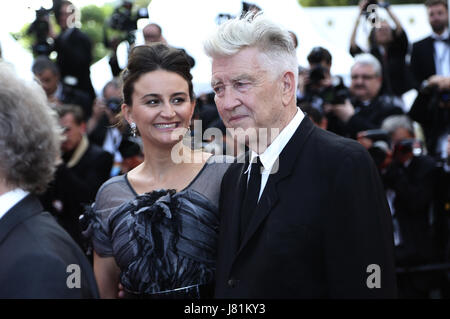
(288, 88)
(126, 112)
(83, 127)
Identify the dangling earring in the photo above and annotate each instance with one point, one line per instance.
(133, 129)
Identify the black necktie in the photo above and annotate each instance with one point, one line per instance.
(251, 195)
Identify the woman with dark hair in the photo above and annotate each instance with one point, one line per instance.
(154, 229)
(389, 46)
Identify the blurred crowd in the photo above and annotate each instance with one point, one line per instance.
(411, 146)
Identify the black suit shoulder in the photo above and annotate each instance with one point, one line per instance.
(36, 255)
(422, 42)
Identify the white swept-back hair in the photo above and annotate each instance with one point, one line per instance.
(255, 31)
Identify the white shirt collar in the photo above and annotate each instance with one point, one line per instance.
(11, 198)
(271, 154)
(444, 35)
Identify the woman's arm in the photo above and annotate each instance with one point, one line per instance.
(353, 45)
(107, 275)
(398, 25)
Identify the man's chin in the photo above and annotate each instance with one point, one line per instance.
(438, 29)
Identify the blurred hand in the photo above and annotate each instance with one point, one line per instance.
(344, 111)
(439, 81)
(363, 140)
(363, 6)
(98, 109)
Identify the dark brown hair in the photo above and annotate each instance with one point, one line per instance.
(73, 109)
(148, 58)
(430, 3)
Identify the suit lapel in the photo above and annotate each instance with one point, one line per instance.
(26, 208)
(430, 48)
(286, 161)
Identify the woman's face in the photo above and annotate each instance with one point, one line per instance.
(383, 34)
(162, 108)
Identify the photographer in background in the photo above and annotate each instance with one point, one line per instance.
(367, 106)
(409, 180)
(320, 89)
(84, 168)
(58, 93)
(40, 28)
(388, 45)
(432, 110)
(317, 78)
(103, 127)
(74, 50)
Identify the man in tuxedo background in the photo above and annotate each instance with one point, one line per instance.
(308, 218)
(431, 55)
(74, 50)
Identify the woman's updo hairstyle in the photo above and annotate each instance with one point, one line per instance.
(148, 58)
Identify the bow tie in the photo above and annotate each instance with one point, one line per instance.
(439, 39)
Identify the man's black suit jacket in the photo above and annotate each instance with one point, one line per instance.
(422, 60)
(35, 253)
(414, 195)
(320, 223)
(76, 187)
(75, 57)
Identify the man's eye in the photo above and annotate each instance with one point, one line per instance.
(241, 85)
(218, 89)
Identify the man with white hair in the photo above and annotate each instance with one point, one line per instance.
(38, 258)
(308, 217)
(367, 107)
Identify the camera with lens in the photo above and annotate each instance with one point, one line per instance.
(407, 146)
(370, 2)
(123, 19)
(40, 29)
(380, 146)
(336, 93)
(114, 104)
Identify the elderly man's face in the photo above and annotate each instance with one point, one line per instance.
(247, 95)
(365, 83)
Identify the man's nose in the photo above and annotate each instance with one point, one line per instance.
(230, 99)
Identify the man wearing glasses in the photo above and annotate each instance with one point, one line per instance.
(367, 107)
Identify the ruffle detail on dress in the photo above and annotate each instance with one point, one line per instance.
(92, 230)
(156, 227)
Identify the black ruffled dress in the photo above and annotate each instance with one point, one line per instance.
(164, 241)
